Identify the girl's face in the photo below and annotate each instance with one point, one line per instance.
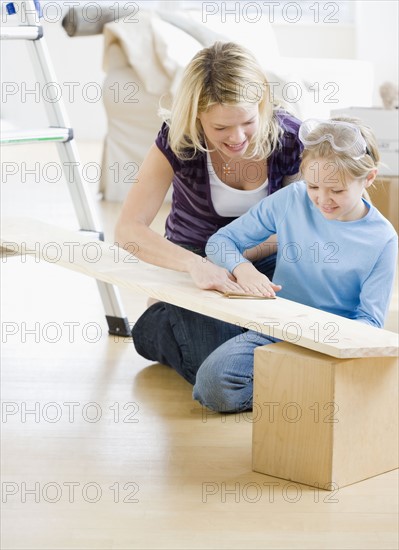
(229, 128)
(337, 196)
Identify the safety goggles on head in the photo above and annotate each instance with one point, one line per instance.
(343, 137)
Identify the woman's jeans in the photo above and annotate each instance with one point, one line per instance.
(216, 357)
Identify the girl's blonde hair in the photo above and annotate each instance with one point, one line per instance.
(344, 163)
(225, 74)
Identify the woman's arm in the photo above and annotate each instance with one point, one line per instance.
(133, 231)
(262, 250)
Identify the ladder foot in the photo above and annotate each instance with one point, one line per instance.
(118, 326)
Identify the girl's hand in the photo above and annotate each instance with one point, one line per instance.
(254, 282)
(209, 276)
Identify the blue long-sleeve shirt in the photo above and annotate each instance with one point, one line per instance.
(346, 268)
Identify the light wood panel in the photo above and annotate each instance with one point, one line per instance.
(321, 421)
(298, 324)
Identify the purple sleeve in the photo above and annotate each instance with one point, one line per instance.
(291, 158)
(285, 160)
(162, 142)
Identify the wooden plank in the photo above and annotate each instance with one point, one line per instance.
(295, 323)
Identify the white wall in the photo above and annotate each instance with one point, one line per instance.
(78, 67)
(377, 39)
(312, 40)
(79, 60)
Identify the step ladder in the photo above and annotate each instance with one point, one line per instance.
(60, 133)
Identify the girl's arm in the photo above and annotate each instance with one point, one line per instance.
(227, 247)
(376, 291)
(270, 245)
(134, 234)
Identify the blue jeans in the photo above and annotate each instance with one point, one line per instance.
(216, 357)
(224, 380)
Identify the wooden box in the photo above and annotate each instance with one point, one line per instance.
(323, 421)
(385, 196)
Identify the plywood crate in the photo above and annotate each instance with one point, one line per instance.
(323, 421)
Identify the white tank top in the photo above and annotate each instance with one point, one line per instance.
(230, 202)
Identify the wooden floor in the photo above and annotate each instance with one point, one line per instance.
(103, 450)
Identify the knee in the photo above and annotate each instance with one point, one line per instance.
(138, 336)
(224, 381)
(220, 390)
(151, 322)
(139, 332)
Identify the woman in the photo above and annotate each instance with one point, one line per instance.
(224, 147)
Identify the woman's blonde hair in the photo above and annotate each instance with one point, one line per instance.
(223, 74)
(345, 164)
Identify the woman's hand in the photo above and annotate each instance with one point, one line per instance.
(254, 282)
(209, 276)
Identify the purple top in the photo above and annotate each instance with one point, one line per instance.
(192, 219)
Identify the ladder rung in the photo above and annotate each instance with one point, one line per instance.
(15, 137)
(24, 32)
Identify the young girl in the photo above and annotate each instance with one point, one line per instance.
(336, 252)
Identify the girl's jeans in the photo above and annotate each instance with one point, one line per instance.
(216, 357)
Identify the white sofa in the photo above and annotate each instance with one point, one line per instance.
(143, 61)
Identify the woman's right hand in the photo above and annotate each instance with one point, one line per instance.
(208, 276)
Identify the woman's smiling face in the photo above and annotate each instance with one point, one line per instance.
(229, 128)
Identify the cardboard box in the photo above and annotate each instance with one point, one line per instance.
(385, 196)
(385, 125)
